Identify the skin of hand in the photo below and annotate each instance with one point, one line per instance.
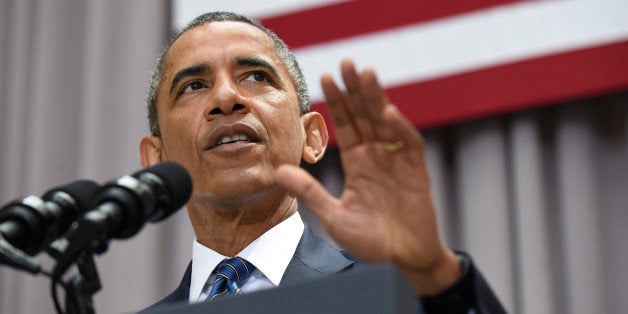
(385, 212)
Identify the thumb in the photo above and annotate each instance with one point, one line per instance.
(307, 189)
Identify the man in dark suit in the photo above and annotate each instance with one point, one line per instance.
(228, 101)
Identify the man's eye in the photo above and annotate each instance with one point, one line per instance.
(192, 87)
(258, 77)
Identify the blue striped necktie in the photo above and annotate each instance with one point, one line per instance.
(230, 273)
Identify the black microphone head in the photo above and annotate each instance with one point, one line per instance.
(177, 186)
(121, 209)
(33, 222)
(81, 191)
(64, 204)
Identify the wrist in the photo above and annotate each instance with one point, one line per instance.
(443, 274)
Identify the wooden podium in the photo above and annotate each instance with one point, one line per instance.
(373, 289)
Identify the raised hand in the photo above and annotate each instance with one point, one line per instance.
(385, 212)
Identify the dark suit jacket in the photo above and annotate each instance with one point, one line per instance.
(315, 258)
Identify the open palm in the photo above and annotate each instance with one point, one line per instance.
(385, 212)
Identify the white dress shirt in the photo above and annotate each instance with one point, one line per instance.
(270, 254)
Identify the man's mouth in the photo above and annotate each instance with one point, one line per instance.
(230, 134)
(232, 139)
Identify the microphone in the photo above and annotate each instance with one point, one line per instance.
(31, 223)
(121, 208)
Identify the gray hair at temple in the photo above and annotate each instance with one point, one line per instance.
(284, 53)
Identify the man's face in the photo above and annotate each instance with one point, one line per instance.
(228, 111)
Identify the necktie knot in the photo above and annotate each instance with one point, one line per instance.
(230, 274)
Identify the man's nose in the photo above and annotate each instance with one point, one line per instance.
(225, 99)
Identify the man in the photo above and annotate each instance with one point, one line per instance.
(228, 101)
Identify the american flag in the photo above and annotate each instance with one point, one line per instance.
(444, 62)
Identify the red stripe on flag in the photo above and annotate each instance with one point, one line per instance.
(353, 18)
(511, 87)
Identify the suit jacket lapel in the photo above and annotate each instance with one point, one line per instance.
(181, 294)
(314, 258)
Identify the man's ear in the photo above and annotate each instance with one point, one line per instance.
(151, 151)
(316, 137)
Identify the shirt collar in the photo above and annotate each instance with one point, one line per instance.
(270, 253)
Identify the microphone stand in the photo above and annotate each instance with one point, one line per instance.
(79, 249)
(13, 257)
(83, 286)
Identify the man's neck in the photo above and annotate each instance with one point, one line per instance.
(229, 228)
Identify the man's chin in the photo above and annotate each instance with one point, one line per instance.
(237, 193)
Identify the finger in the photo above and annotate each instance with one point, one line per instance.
(403, 130)
(347, 134)
(307, 189)
(357, 102)
(376, 98)
(401, 126)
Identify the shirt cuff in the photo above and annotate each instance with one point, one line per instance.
(458, 298)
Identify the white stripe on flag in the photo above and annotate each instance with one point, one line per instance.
(471, 41)
(185, 10)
